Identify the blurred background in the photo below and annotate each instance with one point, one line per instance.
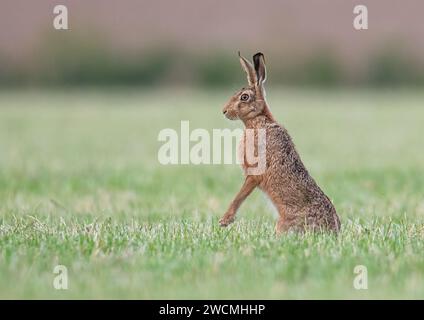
(194, 43)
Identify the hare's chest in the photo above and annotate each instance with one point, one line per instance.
(241, 154)
(252, 152)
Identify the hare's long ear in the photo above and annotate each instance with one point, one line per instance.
(259, 63)
(250, 71)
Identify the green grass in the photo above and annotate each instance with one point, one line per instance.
(80, 185)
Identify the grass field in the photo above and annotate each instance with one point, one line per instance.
(80, 186)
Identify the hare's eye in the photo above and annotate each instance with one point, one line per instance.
(244, 97)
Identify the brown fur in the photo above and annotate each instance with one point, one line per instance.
(300, 202)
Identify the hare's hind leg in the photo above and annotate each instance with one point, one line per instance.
(284, 226)
(284, 223)
(281, 226)
(249, 184)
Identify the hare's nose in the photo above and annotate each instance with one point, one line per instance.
(224, 111)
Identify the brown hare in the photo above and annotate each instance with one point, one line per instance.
(300, 202)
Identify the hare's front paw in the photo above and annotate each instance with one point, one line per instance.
(226, 220)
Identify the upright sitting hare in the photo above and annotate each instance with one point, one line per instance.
(300, 202)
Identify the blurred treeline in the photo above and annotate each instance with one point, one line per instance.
(80, 61)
